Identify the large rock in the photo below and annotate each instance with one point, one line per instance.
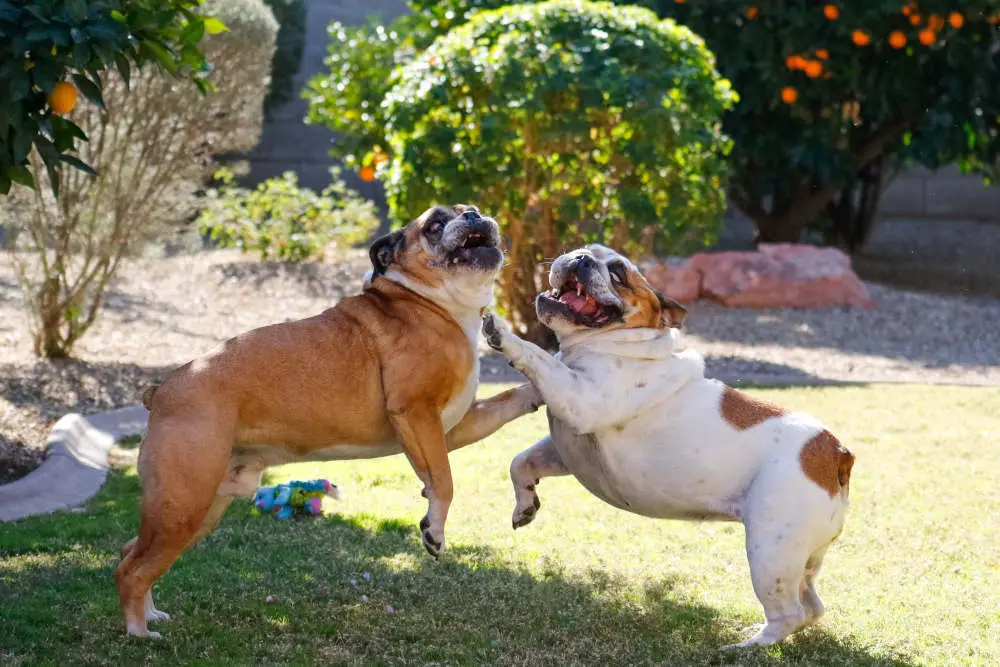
(780, 276)
(674, 279)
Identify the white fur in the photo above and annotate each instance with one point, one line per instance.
(640, 426)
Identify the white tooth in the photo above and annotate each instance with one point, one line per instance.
(579, 289)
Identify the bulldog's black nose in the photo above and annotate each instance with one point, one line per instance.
(583, 266)
(471, 215)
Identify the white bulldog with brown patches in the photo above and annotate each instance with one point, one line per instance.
(638, 424)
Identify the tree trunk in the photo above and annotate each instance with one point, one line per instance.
(853, 213)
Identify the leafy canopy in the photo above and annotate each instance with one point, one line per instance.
(43, 42)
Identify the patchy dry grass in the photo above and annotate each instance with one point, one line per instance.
(915, 579)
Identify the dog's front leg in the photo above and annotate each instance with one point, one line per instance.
(421, 435)
(488, 415)
(570, 395)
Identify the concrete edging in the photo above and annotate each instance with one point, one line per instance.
(76, 466)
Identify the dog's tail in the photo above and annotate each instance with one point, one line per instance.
(147, 396)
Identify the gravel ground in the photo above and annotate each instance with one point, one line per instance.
(162, 312)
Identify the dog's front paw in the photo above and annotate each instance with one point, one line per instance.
(492, 331)
(434, 545)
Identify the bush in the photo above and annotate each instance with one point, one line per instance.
(152, 145)
(570, 121)
(42, 43)
(280, 220)
(291, 17)
(831, 99)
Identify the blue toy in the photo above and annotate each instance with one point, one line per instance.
(282, 500)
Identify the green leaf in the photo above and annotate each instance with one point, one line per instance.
(118, 17)
(78, 163)
(77, 10)
(160, 54)
(214, 26)
(90, 89)
(124, 69)
(50, 156)
(192, 33)
(21, 174)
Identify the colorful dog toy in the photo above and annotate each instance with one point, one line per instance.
(282, 500)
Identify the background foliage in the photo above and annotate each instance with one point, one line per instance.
(568, 120)
(43, 42)
(279, 220)
(824, 159)
(151, 142)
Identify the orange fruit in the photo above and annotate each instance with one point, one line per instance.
(927, 37)
(909, 8)
(935, 22)
(679, 2)
(822, 54)
(789, 95)
(813, 68)
(63, 97)
(860, 37)
(956, 20)
(831, 12)
(367, 173)
(915, 19)
(795, 62)
(752, 12)
(897, 39)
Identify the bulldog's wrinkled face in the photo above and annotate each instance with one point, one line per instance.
(596, 288)
(453, 251)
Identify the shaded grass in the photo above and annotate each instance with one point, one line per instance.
(915, 579)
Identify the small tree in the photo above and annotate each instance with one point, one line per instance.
(43, 43)
(152, 143)
(569, 121)
(837, 95)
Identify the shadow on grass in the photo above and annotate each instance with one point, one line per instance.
(348, 591)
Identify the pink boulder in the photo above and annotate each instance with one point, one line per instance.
(780, 276)
(674, 278)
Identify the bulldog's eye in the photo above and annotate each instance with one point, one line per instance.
(435, 228)
(618, 274)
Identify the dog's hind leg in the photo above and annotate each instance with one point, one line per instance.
(182, 467)
(807, 592)
(527, 468)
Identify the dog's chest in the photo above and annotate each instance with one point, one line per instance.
(459, 403)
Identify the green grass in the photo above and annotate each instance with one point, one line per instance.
(915, 579)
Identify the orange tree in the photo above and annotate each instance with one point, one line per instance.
(50, 49)
(834, 95)
(569, 121)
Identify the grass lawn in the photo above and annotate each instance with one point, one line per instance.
(915, 579)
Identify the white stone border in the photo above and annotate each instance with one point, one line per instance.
(76, 465)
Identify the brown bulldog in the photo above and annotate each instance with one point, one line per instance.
(394, 369)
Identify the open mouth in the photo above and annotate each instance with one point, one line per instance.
(572, 299)
(476, 249)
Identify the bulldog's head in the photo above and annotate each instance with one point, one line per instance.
(596, 288)
(449, 254)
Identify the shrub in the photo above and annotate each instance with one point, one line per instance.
(152, 146)
(43, 43)
(829, 105)
(280, 220)
(291, 17)
(570, 121)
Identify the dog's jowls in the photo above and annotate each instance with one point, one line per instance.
(638, 424)
(393, 369)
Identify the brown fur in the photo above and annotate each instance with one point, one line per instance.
(743, 411)
(646, 307)
(827, 463)
(375, 369)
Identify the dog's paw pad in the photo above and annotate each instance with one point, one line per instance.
(425, 523)
(492, 331)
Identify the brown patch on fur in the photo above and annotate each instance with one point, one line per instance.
(644, 308)
(827, 463)
(743, 411)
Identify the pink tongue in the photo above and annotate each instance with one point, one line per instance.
(581, 303)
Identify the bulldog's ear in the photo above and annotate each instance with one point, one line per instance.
(385, 250)
(671, 312)
(462, 208)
